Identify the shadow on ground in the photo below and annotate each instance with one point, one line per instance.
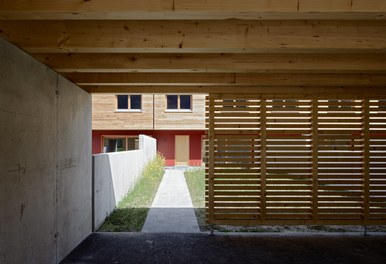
(257, 248)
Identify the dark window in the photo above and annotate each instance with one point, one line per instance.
(120, 144)
(185, 102)
(114, 144)
(179, 102)
(122, 101)
(132, 143)
(172, 101)
(135, 102)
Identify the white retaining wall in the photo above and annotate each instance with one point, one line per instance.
(115, 174)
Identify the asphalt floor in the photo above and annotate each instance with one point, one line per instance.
(116, 248)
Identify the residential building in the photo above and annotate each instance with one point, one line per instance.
(177, 121)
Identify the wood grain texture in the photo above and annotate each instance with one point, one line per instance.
(215, 63)
(295, 91)
(188, 9)
(204, 36)
(234, 79)
(105, 116)
(194, 119)
(318, 173)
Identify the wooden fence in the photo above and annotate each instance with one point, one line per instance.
(284, 160)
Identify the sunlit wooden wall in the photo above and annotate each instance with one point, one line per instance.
(276, 159)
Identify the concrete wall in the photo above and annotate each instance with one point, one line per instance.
(115, 174)
(45, 161)
(148, 145)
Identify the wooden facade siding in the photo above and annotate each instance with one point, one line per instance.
(106, 117)
(194, 119)
(312, 170)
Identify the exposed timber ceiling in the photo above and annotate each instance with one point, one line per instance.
(293, 46)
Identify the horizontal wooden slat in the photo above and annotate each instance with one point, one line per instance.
(237, 181)
(290, 190)
(237, 120)
(236, 216)
(237, 126)
(290, 216)
(297, 187)
(339, 204)
(237, 155)
(341, 216)
(235, 210)
(235, 205)
(283, 204)
(236, 193)
(236, 198)
(294, 211)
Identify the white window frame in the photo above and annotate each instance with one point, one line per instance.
(128, 110)
(179, 110)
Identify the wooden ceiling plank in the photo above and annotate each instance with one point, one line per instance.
(231, 36)
(295, 91)
(82, 9)
(368, 5)
(326, 5)
(192, 9)
(236, 6)
(281, 5)
(150, 78)
(220, 63)
(242, 79)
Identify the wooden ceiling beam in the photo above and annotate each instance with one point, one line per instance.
(301, 92)
(233, 79)
(192, 9)
(282, 5)
(220, 63)
(233, 36)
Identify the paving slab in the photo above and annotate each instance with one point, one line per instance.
(172, 209)
(198, 248)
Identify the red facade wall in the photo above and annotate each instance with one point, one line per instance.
(165, 142)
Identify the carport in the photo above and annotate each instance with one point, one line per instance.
(296, 105)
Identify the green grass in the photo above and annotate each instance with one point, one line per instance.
(131, 212)
(195, 180)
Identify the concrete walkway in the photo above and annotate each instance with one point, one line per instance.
(172, 209)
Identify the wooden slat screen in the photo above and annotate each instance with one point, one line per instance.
(377, 159)
(236, 164)
(288, 160)
(340, 159)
